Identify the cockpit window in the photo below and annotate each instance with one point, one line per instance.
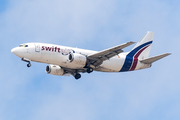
(23, 45)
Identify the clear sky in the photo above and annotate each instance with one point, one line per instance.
(31, 94)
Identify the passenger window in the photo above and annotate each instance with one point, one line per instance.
(26, 45)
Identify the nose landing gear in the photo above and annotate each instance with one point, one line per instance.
(29, 64)
(26, 60)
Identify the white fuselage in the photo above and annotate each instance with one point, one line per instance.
(73, 61)
(58, 55)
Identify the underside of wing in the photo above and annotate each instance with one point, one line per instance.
(72, 71)
(97, 58)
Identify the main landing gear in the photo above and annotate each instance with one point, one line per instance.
(77, 76)
(26, 60)
(89, 70)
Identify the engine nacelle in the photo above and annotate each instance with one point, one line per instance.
(55, 70)
(77, 60)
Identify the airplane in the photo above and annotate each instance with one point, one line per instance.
(66, 61)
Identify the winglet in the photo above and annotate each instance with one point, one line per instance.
(155, 58)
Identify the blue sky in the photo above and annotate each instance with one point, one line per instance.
(31, 94)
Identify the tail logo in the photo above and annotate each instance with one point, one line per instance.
(132, 58)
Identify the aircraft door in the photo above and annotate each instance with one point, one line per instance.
(37, 47)
(37, 54)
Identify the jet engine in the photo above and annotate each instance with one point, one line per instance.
(77, 60)
(55, 70)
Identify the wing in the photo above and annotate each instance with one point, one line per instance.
(97, 58)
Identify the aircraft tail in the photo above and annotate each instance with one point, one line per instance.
(143, 47)
(141, 53)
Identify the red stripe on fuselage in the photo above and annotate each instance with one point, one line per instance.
(135, 59)
(134, 64)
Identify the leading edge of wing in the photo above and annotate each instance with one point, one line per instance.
(108, 53)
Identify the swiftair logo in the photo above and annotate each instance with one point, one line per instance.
(53, 49)
(59, 50)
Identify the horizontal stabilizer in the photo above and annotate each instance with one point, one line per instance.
(155, 58)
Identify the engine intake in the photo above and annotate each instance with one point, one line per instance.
(55, 70)
(71, 57)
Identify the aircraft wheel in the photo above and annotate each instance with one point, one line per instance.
(29, 65)
(89, 70)
(77, 76)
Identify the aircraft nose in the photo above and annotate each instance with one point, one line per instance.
(13, 50)
(20, 52)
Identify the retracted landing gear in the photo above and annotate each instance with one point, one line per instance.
(27, 60)
(89, 70)
(77, 76)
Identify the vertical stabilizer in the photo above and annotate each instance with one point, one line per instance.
(143, 47)
(139, 52)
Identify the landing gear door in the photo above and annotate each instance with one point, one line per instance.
(37, 47)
